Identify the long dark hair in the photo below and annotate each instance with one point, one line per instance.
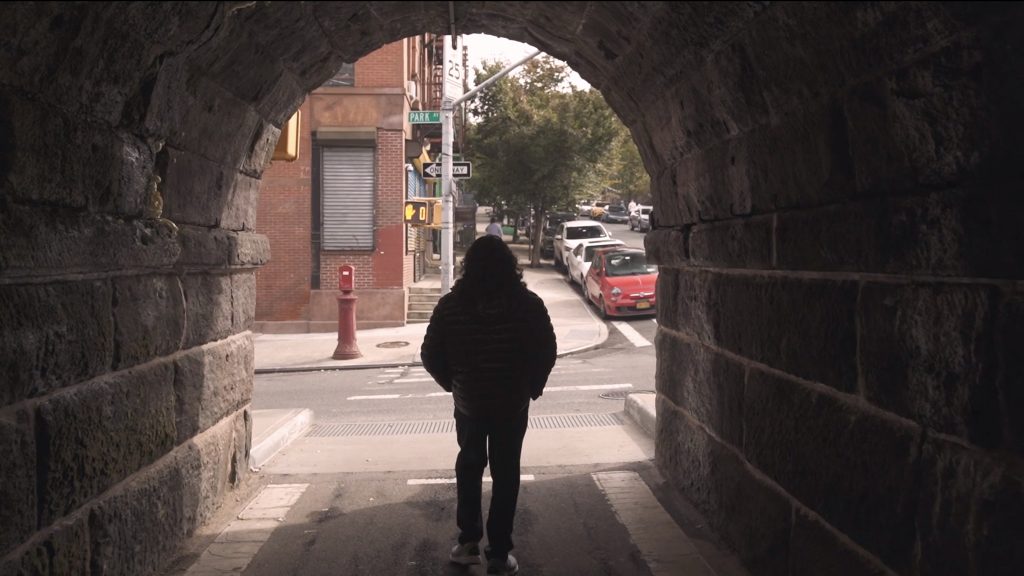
(488, 268)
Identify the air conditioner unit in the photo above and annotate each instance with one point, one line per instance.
(410, 89)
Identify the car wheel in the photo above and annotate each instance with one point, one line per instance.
(600, 306)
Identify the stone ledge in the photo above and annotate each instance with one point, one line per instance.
(275, 429)
(641, 409)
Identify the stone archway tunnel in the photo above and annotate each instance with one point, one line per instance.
(838, 192)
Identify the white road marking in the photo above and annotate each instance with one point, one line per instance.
(423, 481)
(439, 394)
(631, 334)
(665, 548)
(237, 544)
(587, 387)
(399, 396)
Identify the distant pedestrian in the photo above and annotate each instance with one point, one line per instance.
(494, 229)
(491, 344)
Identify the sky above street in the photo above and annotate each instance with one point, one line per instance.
(483, 47)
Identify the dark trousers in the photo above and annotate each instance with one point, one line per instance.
(505, 440)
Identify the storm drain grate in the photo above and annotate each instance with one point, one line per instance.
(448, 426)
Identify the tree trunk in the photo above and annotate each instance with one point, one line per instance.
(536, 230)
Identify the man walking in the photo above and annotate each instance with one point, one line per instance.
(490, 343)
(493, 229)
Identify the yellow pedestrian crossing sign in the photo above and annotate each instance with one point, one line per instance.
(417, 213)
(423, 212)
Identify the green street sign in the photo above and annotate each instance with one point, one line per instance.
(425, 117)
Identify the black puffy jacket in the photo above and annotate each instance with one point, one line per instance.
(493, 354)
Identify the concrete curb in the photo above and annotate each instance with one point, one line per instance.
(285, 426)
(641, 408)
(287, 369)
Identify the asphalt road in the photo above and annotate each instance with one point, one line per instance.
(580, 384)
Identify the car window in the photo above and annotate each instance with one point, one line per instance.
(592, 248)
(629, 264)
(583, 232)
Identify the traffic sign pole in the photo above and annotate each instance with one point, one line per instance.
(448, 105)
(447, 236)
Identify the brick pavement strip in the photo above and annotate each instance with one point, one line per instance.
(665, 548)
(234, 547)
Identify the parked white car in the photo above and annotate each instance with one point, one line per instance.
(577, 263)
(571, 233)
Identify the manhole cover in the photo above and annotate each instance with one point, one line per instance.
(617, 395)
(397, 344)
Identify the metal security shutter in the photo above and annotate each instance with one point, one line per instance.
(348, 193)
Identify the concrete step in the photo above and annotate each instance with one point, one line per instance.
(424, 298)
(418, 315)
(417, 320)
(421, 307)
(420, 290)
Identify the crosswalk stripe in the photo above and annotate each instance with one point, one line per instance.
(631, 334)
(423, 481)
(555, 372)
(546, 390)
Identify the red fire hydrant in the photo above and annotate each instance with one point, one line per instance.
(347, 348)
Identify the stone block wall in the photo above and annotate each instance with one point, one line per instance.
(840, 228)
(127, 280)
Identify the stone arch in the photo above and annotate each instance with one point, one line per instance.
(839, 219)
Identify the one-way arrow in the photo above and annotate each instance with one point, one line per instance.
(460, 170)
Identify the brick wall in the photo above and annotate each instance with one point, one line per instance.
(285, 209)
(382, 68)
(284, 214)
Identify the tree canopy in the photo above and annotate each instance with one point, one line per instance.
(539, 144)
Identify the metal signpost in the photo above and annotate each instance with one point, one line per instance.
(453, 96)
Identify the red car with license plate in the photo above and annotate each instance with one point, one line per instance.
(620, 282)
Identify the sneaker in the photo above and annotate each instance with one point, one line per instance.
(508, 567)
(465, 554)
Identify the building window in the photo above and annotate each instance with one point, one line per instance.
(348, 184)
(346, 76)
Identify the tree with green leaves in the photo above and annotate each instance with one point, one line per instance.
(539, 145)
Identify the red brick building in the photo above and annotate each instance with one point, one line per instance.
(341, 200)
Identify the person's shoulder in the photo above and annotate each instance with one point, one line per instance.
(446, 302)
(533, 300)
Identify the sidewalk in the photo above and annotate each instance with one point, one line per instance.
(576, 326)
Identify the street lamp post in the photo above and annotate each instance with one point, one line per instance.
(448, 106)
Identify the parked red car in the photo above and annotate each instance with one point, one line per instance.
(620, 282)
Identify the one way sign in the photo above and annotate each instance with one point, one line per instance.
(460, 170)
